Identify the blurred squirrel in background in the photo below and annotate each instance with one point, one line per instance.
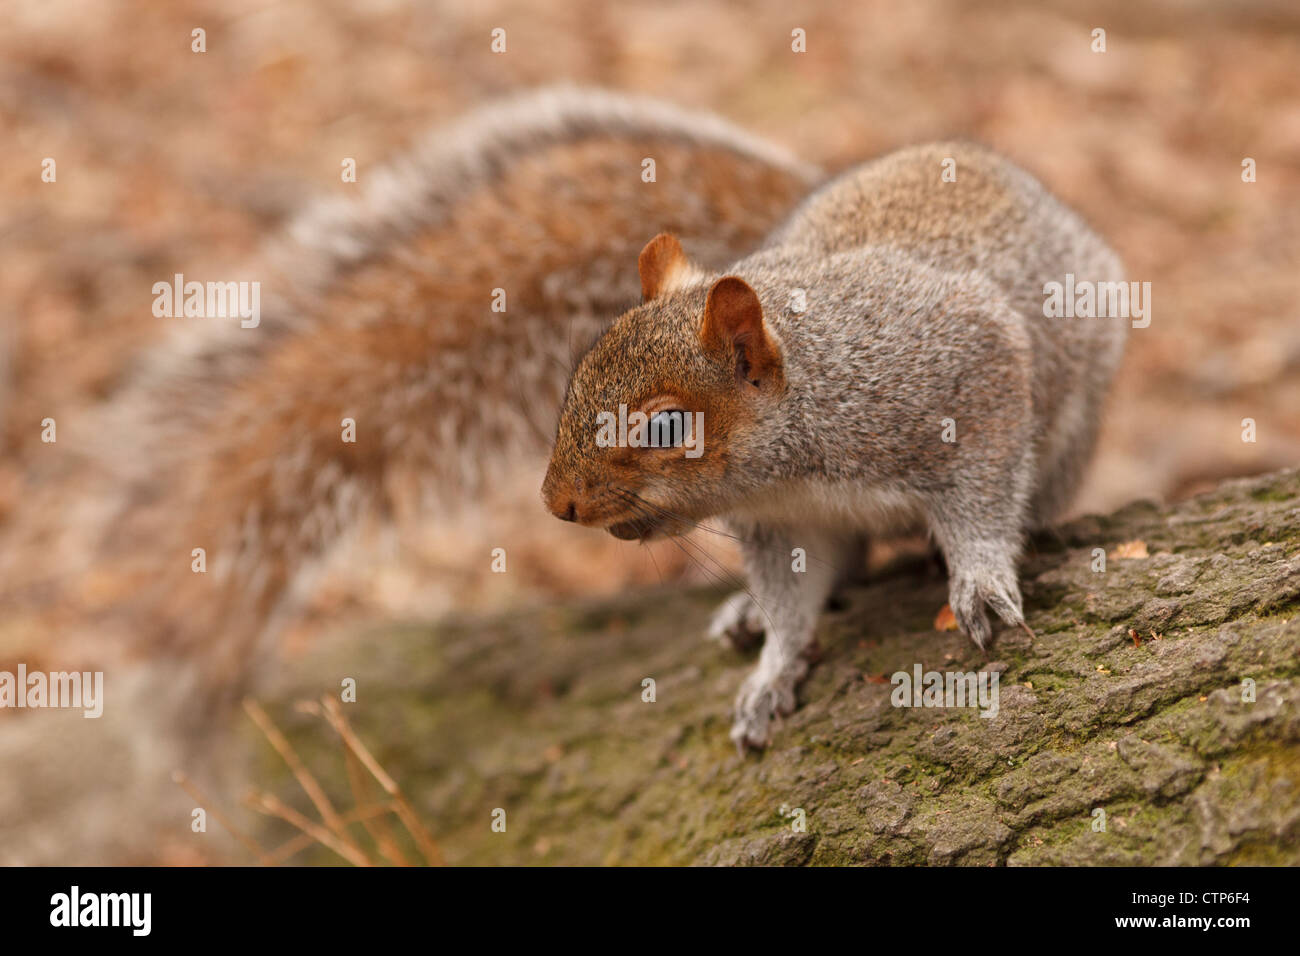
(228, 439)
(883, 362)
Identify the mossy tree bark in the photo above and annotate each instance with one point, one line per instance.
(1128, 699)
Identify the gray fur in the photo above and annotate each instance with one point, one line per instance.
(924, 303)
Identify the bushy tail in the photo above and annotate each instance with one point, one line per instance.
(380, 382)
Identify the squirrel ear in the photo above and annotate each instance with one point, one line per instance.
(663, 266)
(733, 326)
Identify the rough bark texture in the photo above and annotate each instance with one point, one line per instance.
(541, 714)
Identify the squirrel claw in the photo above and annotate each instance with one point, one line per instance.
(746, 742)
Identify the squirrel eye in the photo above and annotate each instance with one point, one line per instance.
(668, 429)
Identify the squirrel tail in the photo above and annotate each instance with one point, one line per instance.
(410, 344)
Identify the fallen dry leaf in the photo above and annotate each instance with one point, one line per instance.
(944, 620)
(1129, 550)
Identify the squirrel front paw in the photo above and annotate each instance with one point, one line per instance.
(737, 622)
(763, 697)
(969, 592)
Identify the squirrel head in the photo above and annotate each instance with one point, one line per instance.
(664, 411)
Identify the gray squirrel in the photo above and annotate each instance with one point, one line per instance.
(883, 362)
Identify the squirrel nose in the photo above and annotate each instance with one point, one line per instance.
(569, 514)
